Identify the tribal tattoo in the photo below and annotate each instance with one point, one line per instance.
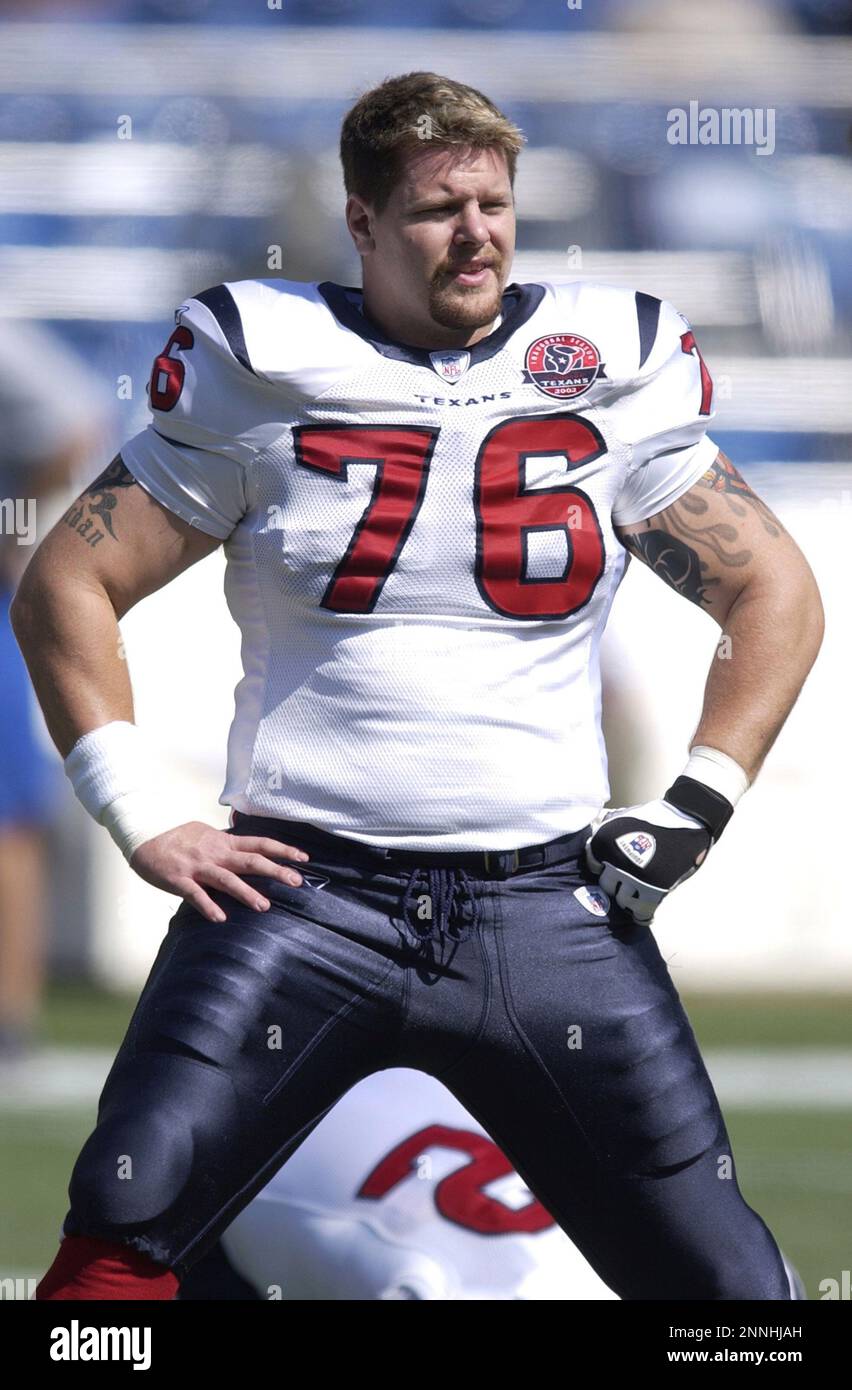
(674, 561)
(101, 503)
(722, 476)
(667, 546)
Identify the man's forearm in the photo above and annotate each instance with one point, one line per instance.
(71, 643)
(769, 643)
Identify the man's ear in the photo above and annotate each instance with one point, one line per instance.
(359, 219)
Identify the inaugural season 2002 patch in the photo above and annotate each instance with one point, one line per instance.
(562, 365)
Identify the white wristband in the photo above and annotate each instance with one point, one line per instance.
(110, 769)
(136, 817)
(717, 770)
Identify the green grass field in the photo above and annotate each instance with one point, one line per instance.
(794, 1165)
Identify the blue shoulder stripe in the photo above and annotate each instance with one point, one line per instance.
(648, 314)
(223, 307)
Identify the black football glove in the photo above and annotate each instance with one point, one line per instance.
(640, 853)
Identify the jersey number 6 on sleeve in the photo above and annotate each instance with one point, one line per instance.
(507, 510)
(167, 373)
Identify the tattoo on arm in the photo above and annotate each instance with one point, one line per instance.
(667, 546)
(91, 515)
(673, 560)
(722, 476)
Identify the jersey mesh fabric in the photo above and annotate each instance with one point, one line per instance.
(437, 720)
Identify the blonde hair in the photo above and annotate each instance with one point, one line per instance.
(406, 113)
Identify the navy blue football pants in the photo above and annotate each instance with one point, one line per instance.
(558, 1029)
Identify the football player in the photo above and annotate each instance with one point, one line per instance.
(427, 487)
(398, 1194)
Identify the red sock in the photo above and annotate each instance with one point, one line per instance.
(90, 1268)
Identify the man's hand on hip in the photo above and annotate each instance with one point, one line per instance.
(183, 859)
(640, 853)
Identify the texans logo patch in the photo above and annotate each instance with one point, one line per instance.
(562, 365)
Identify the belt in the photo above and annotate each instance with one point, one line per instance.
(486, 863)
(438, 899)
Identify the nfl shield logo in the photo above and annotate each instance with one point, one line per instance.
(450, 365)
(594, 900)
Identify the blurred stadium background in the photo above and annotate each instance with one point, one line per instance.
(151, 149)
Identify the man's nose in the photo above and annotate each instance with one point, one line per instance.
(471, 226)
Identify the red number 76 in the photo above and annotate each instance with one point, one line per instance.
(507, 511)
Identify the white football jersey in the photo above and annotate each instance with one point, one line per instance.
(400, 1193)
(420, 545)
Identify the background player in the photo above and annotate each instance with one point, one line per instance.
(398, 1194)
